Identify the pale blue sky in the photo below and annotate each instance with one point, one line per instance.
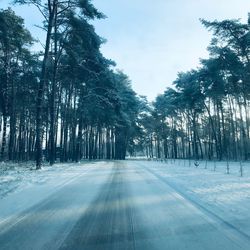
(153, 40)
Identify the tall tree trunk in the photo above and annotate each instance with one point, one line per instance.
(5, 93)
(40, 94)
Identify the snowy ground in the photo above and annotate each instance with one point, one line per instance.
(16, 177)
(153, 202)
(209, 182)
(21, 186)
(227, 195)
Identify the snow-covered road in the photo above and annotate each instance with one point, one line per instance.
(119, 205)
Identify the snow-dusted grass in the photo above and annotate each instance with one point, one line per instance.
(22, 187)
(227, 195)
(15, 177)
(230, 167)
(208, 184)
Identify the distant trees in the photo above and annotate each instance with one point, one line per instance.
(67, 102)
(206, 113)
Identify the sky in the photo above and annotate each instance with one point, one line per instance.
(151, 41)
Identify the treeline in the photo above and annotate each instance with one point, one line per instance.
(66, 102)
(205, 115)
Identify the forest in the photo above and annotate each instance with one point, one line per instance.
(205, 115)
(68, 102)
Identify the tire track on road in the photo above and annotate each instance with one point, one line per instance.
(107, 223)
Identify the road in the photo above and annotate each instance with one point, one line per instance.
(125, 205)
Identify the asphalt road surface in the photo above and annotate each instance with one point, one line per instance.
(125, 205)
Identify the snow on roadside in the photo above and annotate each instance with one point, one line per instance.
(14, 177)
(227, 195)
(21, 187)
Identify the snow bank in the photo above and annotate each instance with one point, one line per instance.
(21, 186)
(226, 195)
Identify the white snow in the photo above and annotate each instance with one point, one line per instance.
(21, 187)
(226, 195)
